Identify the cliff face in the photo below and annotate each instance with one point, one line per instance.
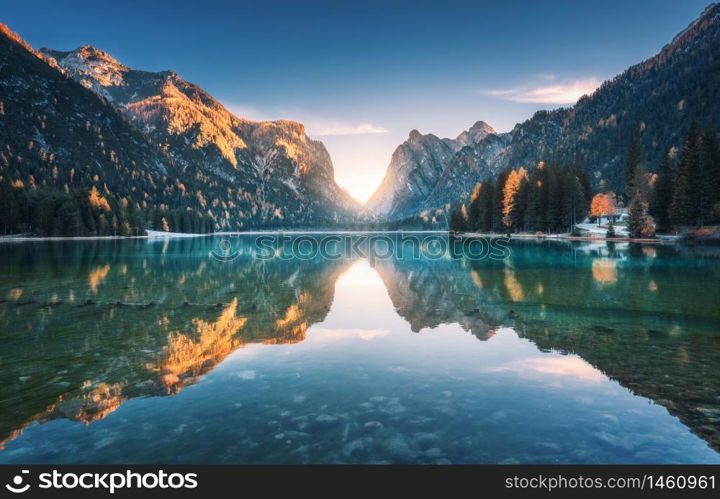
(290, 174)
(54, 131)
(75, 121)
(414, 170)
(661, 97)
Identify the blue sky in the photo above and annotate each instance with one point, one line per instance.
(362, 74)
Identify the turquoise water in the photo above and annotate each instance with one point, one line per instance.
(153, 351)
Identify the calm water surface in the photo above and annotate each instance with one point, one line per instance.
(151, 351)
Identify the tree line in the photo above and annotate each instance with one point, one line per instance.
(550, 198)
(686, 193)
(48, 212)
(683, 193)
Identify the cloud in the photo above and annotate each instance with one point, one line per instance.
(340, 333)
(361, 129)
(315, 125)
(561, 92)
(562, 366)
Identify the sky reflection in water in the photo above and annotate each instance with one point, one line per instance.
(152, 352)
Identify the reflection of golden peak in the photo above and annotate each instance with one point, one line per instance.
(96, 276)
(92, 406)
(293, 334)
(13, 435)
(513, 286)
(189, 357)
(292, 314)
(186, 355)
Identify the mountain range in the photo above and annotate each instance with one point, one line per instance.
(151, 142)
(660, 97)
(81, 119)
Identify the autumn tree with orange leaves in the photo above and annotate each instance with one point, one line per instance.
(603, 205)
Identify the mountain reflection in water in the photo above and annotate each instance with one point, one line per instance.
(88, 326)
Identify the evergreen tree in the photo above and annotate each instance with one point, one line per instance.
(710, 158)
(662, 195)
(582, 176)
(535, 212)
(9, 209)
(633, 158)
(577, 199)
(636, 217)
(683, 210)
(610, 231)
(639, 224)
(558, 218)
(44, 214)
(481, 208)
(521, 204)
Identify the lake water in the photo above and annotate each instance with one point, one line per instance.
(154, 351)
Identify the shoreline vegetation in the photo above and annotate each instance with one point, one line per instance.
(687, 238)
(681, 196)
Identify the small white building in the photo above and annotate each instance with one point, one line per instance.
(621, 215)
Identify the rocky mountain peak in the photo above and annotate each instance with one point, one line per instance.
(94, 68)
(415, 136)
(710, 16)
(276, 159)
(475, 134)
(663, 94)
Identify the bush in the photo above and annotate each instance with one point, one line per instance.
(611, 231)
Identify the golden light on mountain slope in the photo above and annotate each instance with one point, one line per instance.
(180, 115)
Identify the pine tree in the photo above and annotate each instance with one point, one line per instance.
(662, 195)
(582, 176)
(683, 210)
(610, 231)
(639, 224)
(578, 201)
(710, 158)
(44, 216)
(521, 204)
(557, 194)
(536, 211)
(9, 209)
(633, 158)
(455, 220)
(636, 217)
(481, 208)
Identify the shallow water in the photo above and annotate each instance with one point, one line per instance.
(152, 351)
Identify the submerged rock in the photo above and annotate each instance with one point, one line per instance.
(374, 425)
(326, 418)
(357, 446)
(601, 329)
